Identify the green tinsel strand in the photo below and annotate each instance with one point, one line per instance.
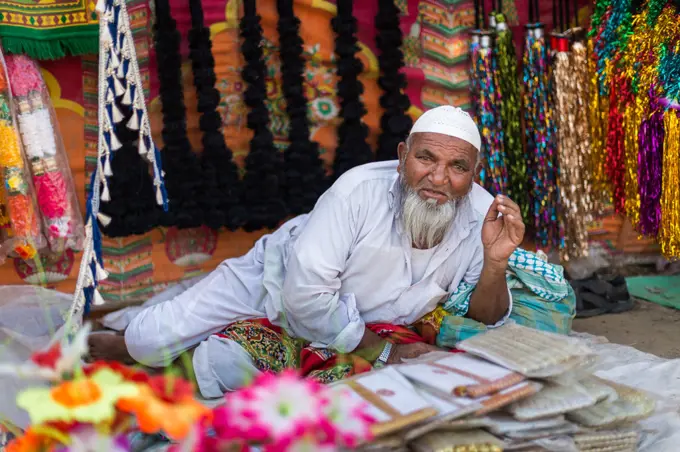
(600, 9)
(654, 8)
(511, 110)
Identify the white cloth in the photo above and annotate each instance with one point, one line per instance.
(419, 262)
(324, 275)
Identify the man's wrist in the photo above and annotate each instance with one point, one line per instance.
(495, 266)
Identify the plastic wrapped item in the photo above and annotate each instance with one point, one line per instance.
(21, 234)
(31, 318)
(44, 149)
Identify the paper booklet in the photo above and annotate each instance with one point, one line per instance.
(461, 374)
(393, 401)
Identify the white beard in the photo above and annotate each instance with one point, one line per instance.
(424, 220)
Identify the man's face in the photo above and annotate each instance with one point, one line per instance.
(438, 167)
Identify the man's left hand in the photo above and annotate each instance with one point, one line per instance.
(502, 234)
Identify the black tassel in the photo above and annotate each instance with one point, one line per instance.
(182, 167)
(395, 123)
(352, 150)
(263, 181)
(221, 186)
(132, 208)
(305, 178)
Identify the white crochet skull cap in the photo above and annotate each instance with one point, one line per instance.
(451, 121)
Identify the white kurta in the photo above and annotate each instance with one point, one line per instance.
(324, 275)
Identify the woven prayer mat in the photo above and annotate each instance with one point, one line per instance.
(49, 29)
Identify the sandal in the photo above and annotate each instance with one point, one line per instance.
(595, 296)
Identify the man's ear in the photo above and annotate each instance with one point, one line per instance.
(478, 169)
(401, 152)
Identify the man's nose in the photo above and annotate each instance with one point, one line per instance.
(438, 175)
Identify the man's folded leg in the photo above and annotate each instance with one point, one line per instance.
(231, 293)
(221, 365)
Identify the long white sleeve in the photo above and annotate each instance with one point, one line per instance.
(314, 308)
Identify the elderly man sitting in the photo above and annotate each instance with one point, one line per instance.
(385, 245)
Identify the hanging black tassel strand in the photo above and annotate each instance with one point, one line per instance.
(395, 122)
(305, 178)
(132, 207)
(262, 184)
(221, 186)
(352, 149)
(182, 167)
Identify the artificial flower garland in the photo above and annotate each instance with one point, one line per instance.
(221, 186)
(352, 149)
(395, 123)
(183, 178)
(23, 235)
(44, 150)
(305, 178)
(263, 181)
(100, 405)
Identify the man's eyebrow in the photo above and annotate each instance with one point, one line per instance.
(460, 161)
(425, 151)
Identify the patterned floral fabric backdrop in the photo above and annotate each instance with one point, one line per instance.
(436, 67)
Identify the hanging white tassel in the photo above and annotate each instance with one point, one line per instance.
(106, 197)
(159, 196)
(106, 38)
(127, 98)
(97, 300)
(118, 87)
(115, 142)
(109, 95)
(133, 123)
(120, 73)
(101, 273)
(142, 149)
(101, 6)
(115, 61)
(104, 219)
(107, 167)
(117, 115)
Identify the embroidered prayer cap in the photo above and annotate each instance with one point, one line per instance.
(451, 121)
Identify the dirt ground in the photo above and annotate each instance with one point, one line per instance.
(648, 327)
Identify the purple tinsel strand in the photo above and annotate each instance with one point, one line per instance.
(650, 158)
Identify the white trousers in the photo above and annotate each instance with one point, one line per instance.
(189, 314)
